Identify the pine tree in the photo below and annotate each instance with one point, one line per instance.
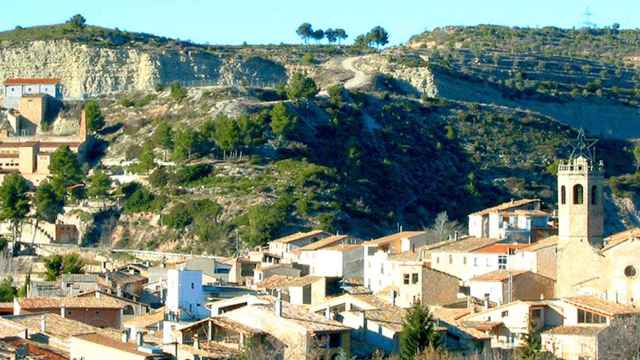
(532, 349)
(14, 202)
(418, 332)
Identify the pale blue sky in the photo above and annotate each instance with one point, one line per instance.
(274, 21)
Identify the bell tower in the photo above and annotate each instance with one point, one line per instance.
(580, 216)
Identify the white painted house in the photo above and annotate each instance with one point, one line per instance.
(512, 221)
(14, 89)
(185, 300)
(378, 251)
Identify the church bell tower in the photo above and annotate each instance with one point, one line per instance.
(580, 215)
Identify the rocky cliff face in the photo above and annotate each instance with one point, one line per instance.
(89, 71)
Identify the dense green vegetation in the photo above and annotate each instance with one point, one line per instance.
(57, 265)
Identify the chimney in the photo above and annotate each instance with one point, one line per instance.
(98, 294)
(196, 342)
(455, 236)
(277, 306)
(103, 266)
(486, 302)
(43, 324)
(83, 125)
(139, 338)
(125, 336)
(63, 311)
(118, 290)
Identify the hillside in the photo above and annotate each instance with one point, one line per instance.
(586, 78)
(456, 120)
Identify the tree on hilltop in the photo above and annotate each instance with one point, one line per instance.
(77, 21)
(318, 35)
(340, 34)
(379, 36)
(305, 31)
(335, 35)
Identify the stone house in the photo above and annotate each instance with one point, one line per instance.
(377, 251)
(594, 329)
(222, 338)
(51, 329)
(98, 312)
(505, 286)
(412, 281)
(264, 272)
(122, 284)
(508, 325)
(309, 290)
(283, 246)
(303, 333)
(130, 308)
(376, 323)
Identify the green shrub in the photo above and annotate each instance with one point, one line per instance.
(178, 92)
(138, 199)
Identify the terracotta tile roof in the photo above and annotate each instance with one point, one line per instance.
(499, 275)
(466, 244)
(542, 244)
(224, 323)
(397, 237)
(274, 282)
(31, 81)
(584, 330)
(454, 317)
(405, 256)
(56, 325)
(619, 238)
(301, 236)
(506, 206)
(302, 281)
(36, 350)
(70, 302)
(297, 314)
(535, 213)
(500, 248)
(130, 348)
(210, 350)
(604, 307)
(146, 320)
(343, 247)
(324, 243)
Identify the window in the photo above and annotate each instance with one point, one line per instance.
(450, 259)
(464, 260)
(405, 279)
(563, 195)
(505, 313)
(502, 262)
(437, 260)
(577, 194)
(192, 286)
(594, 195)
(475, 261)
(586, 317)
(414, 278)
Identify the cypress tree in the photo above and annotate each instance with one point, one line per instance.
(418, 332)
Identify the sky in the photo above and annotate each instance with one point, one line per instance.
(275, 21)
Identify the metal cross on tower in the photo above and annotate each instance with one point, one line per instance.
(583, 147)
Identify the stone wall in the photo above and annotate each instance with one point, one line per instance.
(89, 71)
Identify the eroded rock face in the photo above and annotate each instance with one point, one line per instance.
(86, 70)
